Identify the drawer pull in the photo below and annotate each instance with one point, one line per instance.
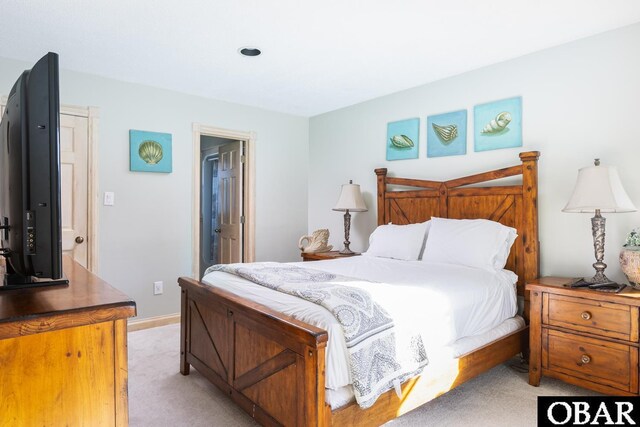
(586, 315)
(585, 359)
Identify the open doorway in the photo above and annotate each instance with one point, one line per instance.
(221, 210)
(223, 202)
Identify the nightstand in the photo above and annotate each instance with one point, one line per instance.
(319, 256)
(584, 337)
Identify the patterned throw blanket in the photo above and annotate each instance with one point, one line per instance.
(379, 359)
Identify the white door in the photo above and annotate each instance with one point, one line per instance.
(74, 137)
(230, 197)
(74, 186)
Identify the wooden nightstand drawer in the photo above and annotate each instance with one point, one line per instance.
(591, 316)
(598, 361)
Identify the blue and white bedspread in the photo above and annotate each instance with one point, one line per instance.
(382, 356)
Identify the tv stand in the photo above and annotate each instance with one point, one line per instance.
(17, 281)
(64, 353)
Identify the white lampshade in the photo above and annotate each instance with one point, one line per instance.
(350, 199)
(599, 187)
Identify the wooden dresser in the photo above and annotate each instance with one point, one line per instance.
(584, 337)
(63, 353)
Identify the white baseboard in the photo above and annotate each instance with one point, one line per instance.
(153, 322)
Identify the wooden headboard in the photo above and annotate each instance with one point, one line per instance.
(512, 205)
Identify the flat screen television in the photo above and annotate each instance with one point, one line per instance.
(30, 212)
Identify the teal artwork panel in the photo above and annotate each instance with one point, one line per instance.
(402, 139)
(149, 151)
(498, 124)
(447, 134)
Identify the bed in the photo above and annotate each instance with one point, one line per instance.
(273, 365)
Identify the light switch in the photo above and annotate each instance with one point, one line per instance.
(109, 198)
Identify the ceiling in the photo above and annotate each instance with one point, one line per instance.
(318, 56)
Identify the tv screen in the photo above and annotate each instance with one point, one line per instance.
(30, 178)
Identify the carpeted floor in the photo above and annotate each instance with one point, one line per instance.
(160, 396)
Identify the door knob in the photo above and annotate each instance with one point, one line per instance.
(79, 239)
(217, 230)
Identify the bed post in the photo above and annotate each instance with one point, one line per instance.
(184, 336)
(382, 188)
(530, 203)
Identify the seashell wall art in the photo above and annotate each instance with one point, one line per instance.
(498, 124)
(402, 139)
(447, 134)
(149, 151)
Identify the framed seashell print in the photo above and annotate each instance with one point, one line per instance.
(498, 124)
(402, 139)
(150, 151)
(447, 134)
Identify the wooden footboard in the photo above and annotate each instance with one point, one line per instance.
(270, 364)
(273, 366)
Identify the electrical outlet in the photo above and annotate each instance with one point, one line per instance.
(109, 198)
(157, 288)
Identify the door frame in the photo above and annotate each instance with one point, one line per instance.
(248, 244)
(92, 114)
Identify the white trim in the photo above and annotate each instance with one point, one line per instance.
(153, 322)
(74, 110)
(250, 199)
(249, 190)
(93, 197)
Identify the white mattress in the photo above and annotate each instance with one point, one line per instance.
(445, 302)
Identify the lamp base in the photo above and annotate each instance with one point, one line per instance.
(347, 227)
(600, 279)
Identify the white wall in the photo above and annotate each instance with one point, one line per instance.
(146, 236)
(580, 101)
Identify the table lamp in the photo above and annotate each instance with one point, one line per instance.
(350, 200)
(598, 189)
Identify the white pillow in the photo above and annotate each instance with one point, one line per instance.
(404, 242)
(477, 243)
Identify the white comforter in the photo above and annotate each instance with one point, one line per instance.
(447, 302)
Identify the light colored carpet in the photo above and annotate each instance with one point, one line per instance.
(160, 396)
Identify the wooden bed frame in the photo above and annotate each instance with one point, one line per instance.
(273, 366)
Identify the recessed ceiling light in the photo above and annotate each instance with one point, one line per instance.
(249, 51)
